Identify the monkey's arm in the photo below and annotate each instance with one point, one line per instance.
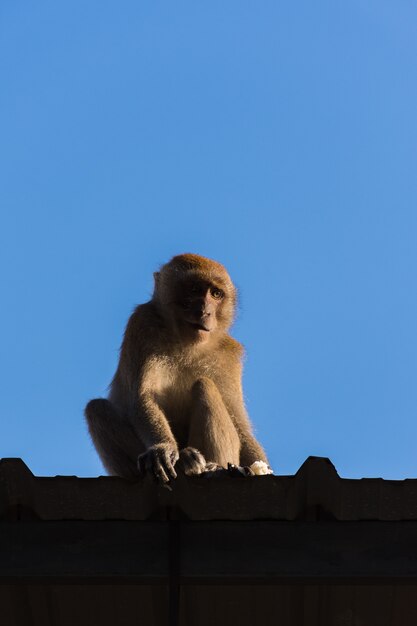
(154, 430)
(139, 379)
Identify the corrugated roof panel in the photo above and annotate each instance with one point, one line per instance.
(315, 492)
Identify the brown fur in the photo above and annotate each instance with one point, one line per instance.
(176, 398)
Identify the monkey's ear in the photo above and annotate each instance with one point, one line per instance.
(156, 279)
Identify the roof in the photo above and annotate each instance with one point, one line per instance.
(311, 549)
(315, 492)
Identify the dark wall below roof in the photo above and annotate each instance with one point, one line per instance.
(214, 605)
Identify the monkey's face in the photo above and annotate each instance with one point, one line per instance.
(196, 297)
(196, 307)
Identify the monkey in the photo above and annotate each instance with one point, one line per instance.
(176, 400)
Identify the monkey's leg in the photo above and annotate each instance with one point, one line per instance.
(114, 439)
(211, 428)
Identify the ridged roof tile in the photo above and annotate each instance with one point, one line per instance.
(315, 492)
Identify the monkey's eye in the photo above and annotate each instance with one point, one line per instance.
(217, 294)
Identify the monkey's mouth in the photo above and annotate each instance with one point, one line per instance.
(200, 326)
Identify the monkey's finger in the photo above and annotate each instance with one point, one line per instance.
(151, 465)
(167, 465)
(160, 474)
(169, 468)
(174, 456)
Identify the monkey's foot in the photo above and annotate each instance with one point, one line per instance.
(258, 468)
(239, 470)
(191, 462)
(214, 470)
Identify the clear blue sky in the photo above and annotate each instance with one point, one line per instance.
(279, 138)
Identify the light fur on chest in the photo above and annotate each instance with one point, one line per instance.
(174, 388)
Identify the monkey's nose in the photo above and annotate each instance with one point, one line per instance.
(202, 309)
(206, 321)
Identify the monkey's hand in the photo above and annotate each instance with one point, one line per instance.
(191, 461)
(159, 460)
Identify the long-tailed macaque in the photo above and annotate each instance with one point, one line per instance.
(176, 398)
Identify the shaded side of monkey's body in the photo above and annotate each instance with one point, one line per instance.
(173, 391)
